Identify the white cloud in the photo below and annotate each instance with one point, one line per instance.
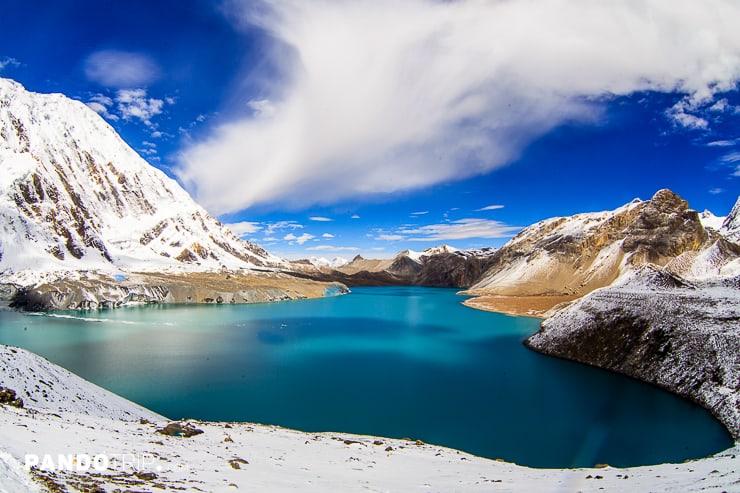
(331, 248)
(458, 230)
(355, 216)
(380, 96)
(389, 237)
(724, 143)
(327, 235)
(244, 228)
(490, 208)
(134, 104)
(121, 69)
(8, 62)
(716, 191)
(100, 104)
(320, 219)
(730, 158)
(262, 108)
(298, 239)
(685, 114)
(270, 228)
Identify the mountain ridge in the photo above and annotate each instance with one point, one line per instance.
(74, 195)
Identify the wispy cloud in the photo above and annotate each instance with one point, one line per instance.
(332, 248)
(102, 104)
(453, 230)
(8, 62)
(389, 237)
(421, 213)
(134, 104)
(327, 236)
(724, 143)
(244, 228)
(271, 228)
(298, 239)
(121, 69)
(490, 208)
(381, 96)
(320, 219)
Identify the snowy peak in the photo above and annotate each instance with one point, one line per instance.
(325, 262)
(731, 225)
(74, 195)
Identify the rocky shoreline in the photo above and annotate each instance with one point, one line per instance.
(89, 291)
(662, 329)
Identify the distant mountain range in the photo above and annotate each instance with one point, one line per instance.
(74, 196)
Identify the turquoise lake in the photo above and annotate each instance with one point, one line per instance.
(398, 362)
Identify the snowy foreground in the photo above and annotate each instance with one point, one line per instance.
(115, 445)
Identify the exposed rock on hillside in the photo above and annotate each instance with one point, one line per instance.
(74, 196)
(660, 328)
(731, 226)
(575, 255)
(441, 266)
(84, 291)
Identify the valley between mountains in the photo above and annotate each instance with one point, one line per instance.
(650, 289)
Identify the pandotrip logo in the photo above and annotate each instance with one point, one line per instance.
(87, 462)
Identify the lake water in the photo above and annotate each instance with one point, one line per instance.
(397, 362)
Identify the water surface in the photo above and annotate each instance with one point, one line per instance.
(398, 362)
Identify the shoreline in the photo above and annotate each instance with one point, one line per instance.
(251, 456)
(518, 306)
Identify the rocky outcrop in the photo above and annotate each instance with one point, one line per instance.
(662, 329)
(569, 256)
(731, 226)
(91, 291)
(441, 266)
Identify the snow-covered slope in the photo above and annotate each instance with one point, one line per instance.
(73, 195)
(731, 226)
(251, 457)
(658, 327)
(325, 262)
(43, 385)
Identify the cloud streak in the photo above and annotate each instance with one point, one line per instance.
(121, 69)
(457, 230)
(379, 96)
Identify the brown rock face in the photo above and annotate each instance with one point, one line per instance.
(7, 396)
(577, 254)
(665, 228)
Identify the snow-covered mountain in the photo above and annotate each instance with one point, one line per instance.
(74, 195)
(439, 266)
(325, 262)
(731, 226)
(571, 256)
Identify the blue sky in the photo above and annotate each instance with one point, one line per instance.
(332, 128)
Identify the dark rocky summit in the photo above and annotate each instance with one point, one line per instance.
(442, 267)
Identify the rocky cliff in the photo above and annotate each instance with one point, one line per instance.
(441, 266)
(660, 328)
(571, 256)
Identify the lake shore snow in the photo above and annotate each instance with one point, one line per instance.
(82, 420)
